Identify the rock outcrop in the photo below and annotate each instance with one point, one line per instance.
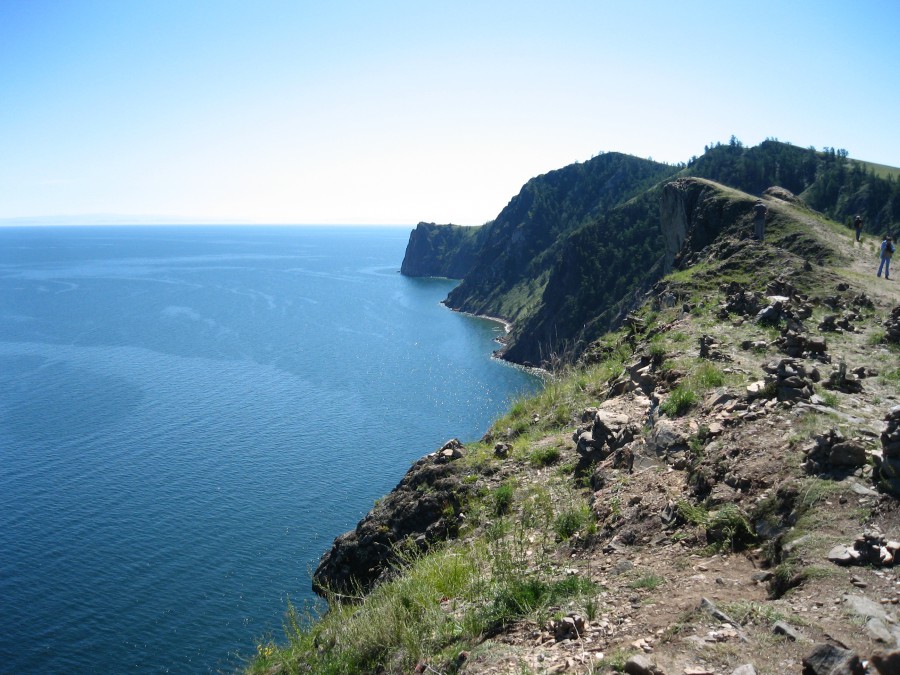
(441, 251)
(422, 509)
(791, 379)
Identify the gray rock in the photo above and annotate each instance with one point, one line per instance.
(710, 608)
(641, 665)
(788, 631)
(718, 398)
(622, 567)
(666, 437)
(880, 632)
(755, 389)
(840, 555)
(868, 609)
(746, 669)
(769, 314)
(827, 659)
(863, 490)
(848, 453)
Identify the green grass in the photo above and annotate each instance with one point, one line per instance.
(829, 398)
(876, 337)
(753, 613)
(727, 529)
(680, 400)
(707, 376)
(809, 425)
(572, 520)
(891, 377)
(544, 456)
(647, 582)
(442, 602)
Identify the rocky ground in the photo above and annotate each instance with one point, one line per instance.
(680, 606)
(749, 529)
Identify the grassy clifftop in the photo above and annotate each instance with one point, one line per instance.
(674, 495)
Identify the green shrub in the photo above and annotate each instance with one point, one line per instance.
(521, 597)
(691, 513)
(544, 456)
(728, 528)
(571, 521)
(503, 498)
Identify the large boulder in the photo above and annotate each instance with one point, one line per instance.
(826, 659)
(667, 438)
(603, 434)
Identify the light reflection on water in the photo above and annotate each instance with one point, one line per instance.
(188, 416)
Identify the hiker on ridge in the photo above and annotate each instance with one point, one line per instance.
(887, 250)
(759, 222)
(857, 224)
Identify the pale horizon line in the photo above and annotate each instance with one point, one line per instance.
(163, 221)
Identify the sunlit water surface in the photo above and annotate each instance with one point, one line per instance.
(189, 416)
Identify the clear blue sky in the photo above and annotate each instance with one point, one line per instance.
(400, 111)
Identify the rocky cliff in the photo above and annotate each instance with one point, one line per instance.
(441, 251)
(603, 269)
(422, 509)
(516, 252)
(562, 287)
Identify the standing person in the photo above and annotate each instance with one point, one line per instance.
(857, 223)
(887, 250)
(759, 219)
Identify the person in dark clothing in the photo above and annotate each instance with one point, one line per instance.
(857, 224)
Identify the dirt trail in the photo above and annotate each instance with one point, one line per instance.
(863, 256)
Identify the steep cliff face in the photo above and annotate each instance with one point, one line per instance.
(693, 212)
(441, 251)
(604, 268)
(421, 510)
(522, 246)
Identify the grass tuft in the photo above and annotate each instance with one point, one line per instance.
(682, 399)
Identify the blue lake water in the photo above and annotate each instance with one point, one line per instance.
(189, 416)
